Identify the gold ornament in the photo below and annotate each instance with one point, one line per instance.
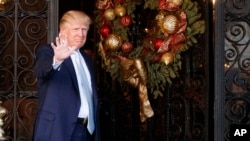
(109, 14)
(167, 58)
(170, 24)
(177, 2)
(120, 10)
(113, 42)
(159, 18)
(3, 112)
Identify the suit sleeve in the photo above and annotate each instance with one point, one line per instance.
(44, 59)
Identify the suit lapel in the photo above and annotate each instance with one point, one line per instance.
(84, 55)
(69, 65)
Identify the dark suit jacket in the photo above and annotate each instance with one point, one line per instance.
(59, 99)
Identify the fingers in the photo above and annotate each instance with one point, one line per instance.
(59, 42)
(61, 48)
(53, 45)
(62, 40)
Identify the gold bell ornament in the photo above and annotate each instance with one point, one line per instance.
(167, 58)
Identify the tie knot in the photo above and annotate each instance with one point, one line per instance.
(76, 53)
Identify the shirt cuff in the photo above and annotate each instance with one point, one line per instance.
(55, 64)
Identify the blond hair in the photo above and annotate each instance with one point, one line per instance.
(75, 16)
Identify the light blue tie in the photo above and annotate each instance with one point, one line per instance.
(86, 87)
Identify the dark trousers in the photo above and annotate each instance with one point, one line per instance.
(80, 133)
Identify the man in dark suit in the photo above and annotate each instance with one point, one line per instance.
(68, 102)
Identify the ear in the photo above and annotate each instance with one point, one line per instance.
(62, 31)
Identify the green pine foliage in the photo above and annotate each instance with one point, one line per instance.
(159, 74)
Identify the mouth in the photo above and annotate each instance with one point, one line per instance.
(79, 42)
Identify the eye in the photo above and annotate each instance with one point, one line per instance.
(84, 29)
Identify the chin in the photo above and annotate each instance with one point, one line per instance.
(79, 45)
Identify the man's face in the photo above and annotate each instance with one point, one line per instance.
(75, 33)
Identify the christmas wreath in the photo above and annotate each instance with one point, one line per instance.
(154, 62)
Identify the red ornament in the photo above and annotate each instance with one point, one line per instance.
(127, 47)
(157, 43)
(169, 5)
(119, 1)
(126, 20)
(105, 30)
